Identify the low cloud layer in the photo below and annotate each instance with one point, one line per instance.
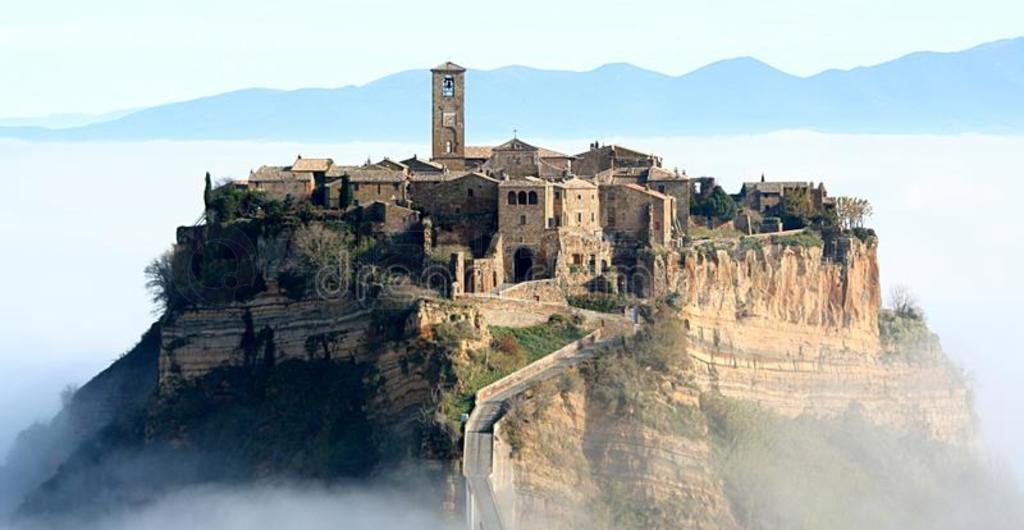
(270, 507)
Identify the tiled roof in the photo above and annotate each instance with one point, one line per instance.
(657, 173)
(387, 163)
(548, 153)
(476, 174)
(516, 144)
(478, 151)
(338, 170)
(376, 175)
(620, 151)
(773, 187)
(448, 66)
(274, 174)
(525, 181)
(576, 183)
(310, 165)
(415, 162)
(641, 189)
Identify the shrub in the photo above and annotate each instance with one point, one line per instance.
(805, 239)
(717, 204)
(603, 302)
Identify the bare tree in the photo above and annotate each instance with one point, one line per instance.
(904, 303)
(319, 247)
(853, 211)
(160, 280)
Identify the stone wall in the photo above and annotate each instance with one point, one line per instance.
(471, 194)
(364, 193)
(634, 213)
(537, 291)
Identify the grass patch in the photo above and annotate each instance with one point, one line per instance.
(700, 232)
(510, 350)
(805, 239)
(540, 340)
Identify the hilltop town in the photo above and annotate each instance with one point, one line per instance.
(506, 214)
(552, 340)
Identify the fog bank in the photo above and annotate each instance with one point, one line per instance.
(264, 507)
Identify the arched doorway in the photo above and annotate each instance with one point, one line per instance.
(523, 264)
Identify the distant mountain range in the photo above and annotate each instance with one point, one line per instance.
(976, 90)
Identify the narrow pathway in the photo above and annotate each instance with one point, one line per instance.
(492, 402)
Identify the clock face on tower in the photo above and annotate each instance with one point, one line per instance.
(448, 119)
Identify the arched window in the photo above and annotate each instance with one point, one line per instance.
(533, 197)
(511, 197)
(448, 86)
(522, 197)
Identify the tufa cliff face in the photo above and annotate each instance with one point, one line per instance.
(776, 328)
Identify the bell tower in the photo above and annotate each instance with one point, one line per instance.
(449, 112)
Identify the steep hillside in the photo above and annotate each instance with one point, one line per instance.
(768, 362)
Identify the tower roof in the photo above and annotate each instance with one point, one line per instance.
(447, 66)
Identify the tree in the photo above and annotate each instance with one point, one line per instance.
(345, 200)
(67, 394)
(717, 204)
(797, 208)
(904, 303)
(207, 192)
(160, 281)
(853, 211)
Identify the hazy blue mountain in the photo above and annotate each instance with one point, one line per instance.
(976, 90)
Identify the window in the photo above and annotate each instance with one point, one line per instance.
(448, 86)
(558, 195)
(396, 185)
(593, 217)
(533, 197)
(511, 197)
(577, 259)
(522, 219)
(469, 192)
(378, 189)
(661, 188)
(355, 187)
(522, 197)
(579, 218)
(579, 197)
(448, 147)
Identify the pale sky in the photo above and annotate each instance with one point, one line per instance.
(59, 56)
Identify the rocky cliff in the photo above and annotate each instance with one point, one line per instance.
(637, 439)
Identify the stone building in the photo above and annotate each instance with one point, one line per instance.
(763, 196)
(467, 194)
(506, 213)
(633, 214)
(602, 158)
(418, 165)
(389, 218)
(448, 115)
(368, 184)
(279, 183)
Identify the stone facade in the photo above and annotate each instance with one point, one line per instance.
(280, 183)
(601, 158)
(637, 214)
(470, 194)
(449, 115)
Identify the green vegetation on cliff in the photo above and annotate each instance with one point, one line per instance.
(510, 350)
